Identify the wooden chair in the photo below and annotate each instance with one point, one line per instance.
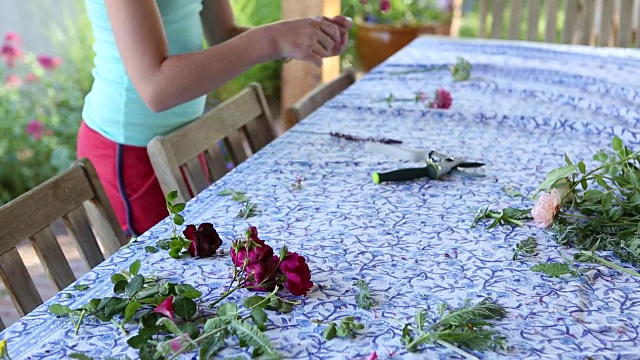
(587, 22)
(242, 124)
(76, 196)
(316, 97)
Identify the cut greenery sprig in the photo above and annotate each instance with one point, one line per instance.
(248, 209)
(506, 216)
(468, 326)
(525, 247)
(345, 328)
(460, 71)
(363, 296)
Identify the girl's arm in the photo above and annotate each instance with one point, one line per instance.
(218, 21)
(164, 81)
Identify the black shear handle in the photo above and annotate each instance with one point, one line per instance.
(430, 171)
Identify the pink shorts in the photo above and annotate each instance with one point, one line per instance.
(128, 179)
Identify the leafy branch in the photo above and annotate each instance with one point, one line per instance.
(506, 216)
(525, 247)
(248, 209)
(363, 297)
(468, 326)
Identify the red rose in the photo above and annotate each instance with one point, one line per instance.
(262, 273)
(442, 100)
(204, 242)
(296, 271)
(252, 248)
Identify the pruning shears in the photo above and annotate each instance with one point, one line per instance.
(437, 164)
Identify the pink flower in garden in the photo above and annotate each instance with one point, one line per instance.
(385, 5)
(10, 54)
(12, 81)
(31, 77)
(166, 308)
(48, 62)
(442, 100)
(37, 129)
(546, 208)
(12, 37)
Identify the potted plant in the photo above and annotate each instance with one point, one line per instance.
(386, 26)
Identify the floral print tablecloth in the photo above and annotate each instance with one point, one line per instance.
(524, 107)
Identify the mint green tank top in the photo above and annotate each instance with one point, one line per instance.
(113, 107)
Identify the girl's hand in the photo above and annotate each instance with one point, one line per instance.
(309, 39)
(345, 25)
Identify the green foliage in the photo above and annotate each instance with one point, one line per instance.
(345, 328)
(401, 12)
(248, 209)
(50, 100)
(509, 215)
(554, 269)
(468, 326)
(525, 247)
(363, 297)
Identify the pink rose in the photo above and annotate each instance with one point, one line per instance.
(166, 308)
(12, 81)
(262, 273)
(442, 100)
(546, 208)
(10, 54)
(12, 37)
(176, 343)
(385, 5)
(37, 129)
(48, 62)
(296, 271)
(31, 77)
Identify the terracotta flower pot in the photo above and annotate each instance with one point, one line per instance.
(376, 42)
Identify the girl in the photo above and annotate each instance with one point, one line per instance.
(151, 76)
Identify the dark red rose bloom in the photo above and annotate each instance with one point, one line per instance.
(262, 273)
(296, 271)
(205, 241)
(253, 248)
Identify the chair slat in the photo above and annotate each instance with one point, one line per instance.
(53, 198)
(551, 16)
(497, 25)
(484, 13)
(515, 18)
(533, 14)
(229, 123)
(606, 22)
(317, 97)
(625, 29)
(216, 163)
(52, 258)
(2, 326)
(196, 178)
(587, 18)
(79, 228)
(18, 282)
(571, 8)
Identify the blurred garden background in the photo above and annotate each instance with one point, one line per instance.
(46, 72)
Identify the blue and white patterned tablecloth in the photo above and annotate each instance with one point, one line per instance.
(526, 105)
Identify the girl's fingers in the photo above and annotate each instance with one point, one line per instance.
(320, 50)
(331, 30)
(326, 42)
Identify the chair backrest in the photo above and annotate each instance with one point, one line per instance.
(318, 96)
(191, 157)
(587, 22)
(77, 197)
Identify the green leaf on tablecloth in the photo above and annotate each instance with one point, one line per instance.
(116, 306)
(187, 291)
(135, 285)
(178, 219)
(554, 269)
(191, 329)
(363, 296)
(525, 247)
(120, 287)
(130, 310)
(212, 345)
(330, 332)
(228, 309)
(176, 208)
(259, 317)
(81, 287)
(57, 309)
(80, 356)
(170, 326)
(554, 175)
(150, 249)
(254, 301)
(253, 337)
(184, 308)
(134, 267)
(115, 278)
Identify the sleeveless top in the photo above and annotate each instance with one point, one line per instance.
(113, 107)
